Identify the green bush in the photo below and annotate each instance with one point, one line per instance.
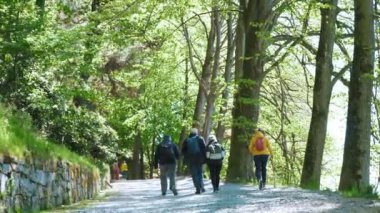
(18, 139)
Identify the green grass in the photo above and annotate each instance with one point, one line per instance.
(80, 205)
(17, 139)
(369, 193)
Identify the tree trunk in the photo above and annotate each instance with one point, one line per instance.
(151, 160)
(136, 160)
(227, 79)
(182, 136)
(311, 173)
(246, 108)
(95, 5)
(356, 158)
(204, 82)
(142, 165)
(212, 95)
(204, 79)
(240, 41)
(41, 7)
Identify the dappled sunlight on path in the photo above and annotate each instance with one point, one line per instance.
(145, 196)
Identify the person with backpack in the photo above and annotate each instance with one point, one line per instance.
(215, 155)
(166, 157)
(194, 152)
(261, 150)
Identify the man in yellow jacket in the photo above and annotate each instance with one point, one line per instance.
(260, 148)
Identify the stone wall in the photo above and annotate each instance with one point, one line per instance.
(31, 184)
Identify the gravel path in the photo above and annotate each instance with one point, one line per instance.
(145, 196)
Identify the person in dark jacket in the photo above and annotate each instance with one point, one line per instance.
(194, 152)
(166, 157)
(215, 154)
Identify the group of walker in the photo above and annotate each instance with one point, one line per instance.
(118, 169)
(196, 153)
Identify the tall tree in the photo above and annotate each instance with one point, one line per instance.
(311, 172)
(95, 5)
(41, 7)
(183, 135)
(257, 15)
(227, 78)
(136, 164)
(356, 158)
(212, 94)
(206, 72)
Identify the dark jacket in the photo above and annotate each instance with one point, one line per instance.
(194, 159)
(158, 159)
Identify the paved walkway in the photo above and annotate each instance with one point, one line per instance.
(145, 196)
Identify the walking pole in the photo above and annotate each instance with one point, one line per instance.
(274, 173)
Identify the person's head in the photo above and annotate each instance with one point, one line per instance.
(166, 138)
(194, 131)
(260, 130)
(212, 138)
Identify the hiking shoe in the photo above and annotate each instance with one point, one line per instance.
(261, 185)
(175, 192)
(163, 193)
(203, 190)
(197, 192)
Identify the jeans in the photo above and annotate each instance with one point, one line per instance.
(197, 175)
(167, 171)
(261, 167)
(124, 174)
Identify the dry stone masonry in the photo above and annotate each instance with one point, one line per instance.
(31, 184)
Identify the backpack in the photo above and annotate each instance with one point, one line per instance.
(193, 146)
(259, 145)
(215, 152)
(166, 153)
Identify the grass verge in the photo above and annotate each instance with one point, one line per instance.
(18, 139)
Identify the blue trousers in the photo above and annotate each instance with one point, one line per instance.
(197, 175)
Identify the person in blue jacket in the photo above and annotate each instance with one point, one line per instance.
(194, 152)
